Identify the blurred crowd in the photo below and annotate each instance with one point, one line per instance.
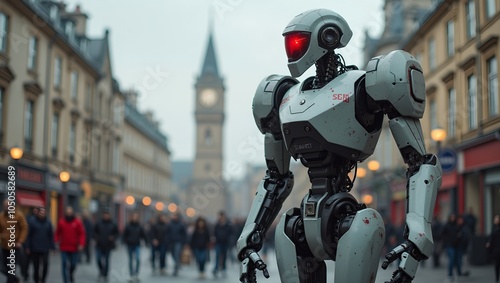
(81, 238)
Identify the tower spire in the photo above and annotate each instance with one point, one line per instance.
(210, 62)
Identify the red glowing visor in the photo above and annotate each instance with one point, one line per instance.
(296, 45)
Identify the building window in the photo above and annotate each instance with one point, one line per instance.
(208, 137)
(418, 57)
(3, 32)
(452, 112)
(2, 99)
(54, 133)
(88, 95)
(117, 110)
(32, 52)
(470, 11)
(490, 8)
(69, 30)
(54, 13)
(492, 66)
(433, 114)
(57, 72)
(116, 159)
(450, 37)
(432, 54)
(74, 85)
(72, 142)
(472, 101)
(28, 125)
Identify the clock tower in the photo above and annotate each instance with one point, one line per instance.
(207, 192)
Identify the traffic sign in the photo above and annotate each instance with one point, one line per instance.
(448, 159)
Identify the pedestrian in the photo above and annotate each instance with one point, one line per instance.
(159, 240)
(23, 258)
(464, 236)
(13, 234)
(39, 243)
(178, 236)
(105, 234)
(450, 244)
(493, 246)
(223, 234)
(132, 236)
(200, 241)
(70, 236)
(89, 230)
(437, 228)
(470, 220)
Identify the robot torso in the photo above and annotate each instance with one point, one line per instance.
(332, 119)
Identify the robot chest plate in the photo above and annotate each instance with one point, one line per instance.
(324, 119)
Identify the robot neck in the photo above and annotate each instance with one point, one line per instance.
(326, 70)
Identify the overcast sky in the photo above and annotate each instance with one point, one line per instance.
(167, 40)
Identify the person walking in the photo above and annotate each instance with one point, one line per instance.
(223, 234)
(200, 241)
(464, 236)
(13, 234)
(449, 236)
(160, 235)
(437, 228)
(89, 229)
(70, 236)
(105, 234)
(132, 236)
(178, 235)
(23, 257)
(39, 243)
(493, 246)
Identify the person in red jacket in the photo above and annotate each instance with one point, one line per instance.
(70, 236)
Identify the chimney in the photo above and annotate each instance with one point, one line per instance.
(80, 19)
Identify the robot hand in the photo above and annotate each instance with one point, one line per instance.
(249, 265)
(410, 256)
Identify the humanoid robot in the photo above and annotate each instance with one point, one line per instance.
(332, 121)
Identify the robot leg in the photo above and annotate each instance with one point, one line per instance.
(359, 249)
(296, 263)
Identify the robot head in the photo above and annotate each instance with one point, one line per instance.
(311, 35)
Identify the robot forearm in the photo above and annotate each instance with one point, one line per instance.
(423, 186)
(268, 201)
(422, 191)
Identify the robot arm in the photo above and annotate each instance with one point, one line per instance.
(278, 182)
(396, 82)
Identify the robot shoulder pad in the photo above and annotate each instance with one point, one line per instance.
(397, 78)
(268, 98)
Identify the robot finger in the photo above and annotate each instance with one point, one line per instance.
(259, 263)
(395, 254)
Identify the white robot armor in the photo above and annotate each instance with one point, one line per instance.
(331, 122)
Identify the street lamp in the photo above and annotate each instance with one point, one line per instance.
(16, 153)
(64, 176)
(361, 172)
(146, 201)
(438, 135)
(373, 165)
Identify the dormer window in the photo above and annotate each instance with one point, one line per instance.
(54, 13)
(69, 29)
(83, 45)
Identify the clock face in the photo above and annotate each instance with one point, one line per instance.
(208, 97)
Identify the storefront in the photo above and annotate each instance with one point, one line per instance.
(479, 182)
(30, 187)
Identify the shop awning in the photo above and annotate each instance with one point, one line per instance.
(29, 199)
